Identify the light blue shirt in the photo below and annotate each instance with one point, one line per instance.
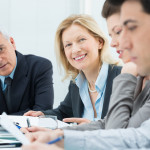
(108, 139)
(100, 86)
(2, 78)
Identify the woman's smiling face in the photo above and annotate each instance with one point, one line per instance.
(81, 48)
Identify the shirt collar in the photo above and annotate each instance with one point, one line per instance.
(101, 79)
(80, 79)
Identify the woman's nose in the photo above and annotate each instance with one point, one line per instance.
(114, 43)
(75, 48)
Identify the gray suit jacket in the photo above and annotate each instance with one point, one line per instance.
(129, 106)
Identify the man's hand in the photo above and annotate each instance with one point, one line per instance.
(41, 146)
(44, 136)
(34, 129)
(77, 120)
(34, 113)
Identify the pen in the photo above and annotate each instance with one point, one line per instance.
(18, 126)
(28, 123)
(56, 140)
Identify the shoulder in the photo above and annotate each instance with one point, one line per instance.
(37, 59)
(34, 60)
(33, 63)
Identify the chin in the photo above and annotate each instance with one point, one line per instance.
(143, 72)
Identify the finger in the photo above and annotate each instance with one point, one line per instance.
(31, 136)
(37, 113)
(24, 130)
(39, 146)
(35, 129)
(77, 120)
(28, 113)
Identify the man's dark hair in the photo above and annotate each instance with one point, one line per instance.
(145, 4)
(109, 9)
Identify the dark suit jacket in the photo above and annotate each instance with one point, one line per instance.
(32, 85)
(72, 106)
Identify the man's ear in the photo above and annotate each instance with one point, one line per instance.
(101, 43)
(13, 42)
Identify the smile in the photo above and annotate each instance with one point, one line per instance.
(80, 57)
(2, 66)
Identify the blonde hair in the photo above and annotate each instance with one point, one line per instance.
(91, 25)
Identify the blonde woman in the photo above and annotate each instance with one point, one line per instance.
(82, 51)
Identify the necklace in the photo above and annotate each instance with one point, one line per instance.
(92, 91)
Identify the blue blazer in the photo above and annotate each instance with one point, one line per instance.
(72, 106)
(32, 85)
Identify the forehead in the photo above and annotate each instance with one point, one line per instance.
(74, 30)
(113, 21)
(2, 38)
(131, 10)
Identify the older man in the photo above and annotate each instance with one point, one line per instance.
(26, 80)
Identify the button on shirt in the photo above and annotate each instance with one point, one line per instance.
(2, 78)
(100, 86)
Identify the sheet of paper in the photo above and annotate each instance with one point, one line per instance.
(8, 141)
(10, 148)
(10, 127)
(36, 121)
(22, 120)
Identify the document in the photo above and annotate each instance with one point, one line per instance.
(35, 121)
(10, 148)
(11, 128)
(9, 143)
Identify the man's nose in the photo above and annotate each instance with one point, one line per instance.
(124, 40)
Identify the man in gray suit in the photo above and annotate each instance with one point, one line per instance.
(135, 37)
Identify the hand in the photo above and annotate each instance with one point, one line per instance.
(40, 146)
(130, 68)
(77, 120)
(34, 113)
(34, 129)
(44, 136)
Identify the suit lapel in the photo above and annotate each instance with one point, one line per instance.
(77, 102)
(112, 73)
(19, 82)
(80, 108)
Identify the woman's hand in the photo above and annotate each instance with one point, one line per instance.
(34, 113)
(77, 120)
(130, 68)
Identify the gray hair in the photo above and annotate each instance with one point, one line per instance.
(4, 32)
